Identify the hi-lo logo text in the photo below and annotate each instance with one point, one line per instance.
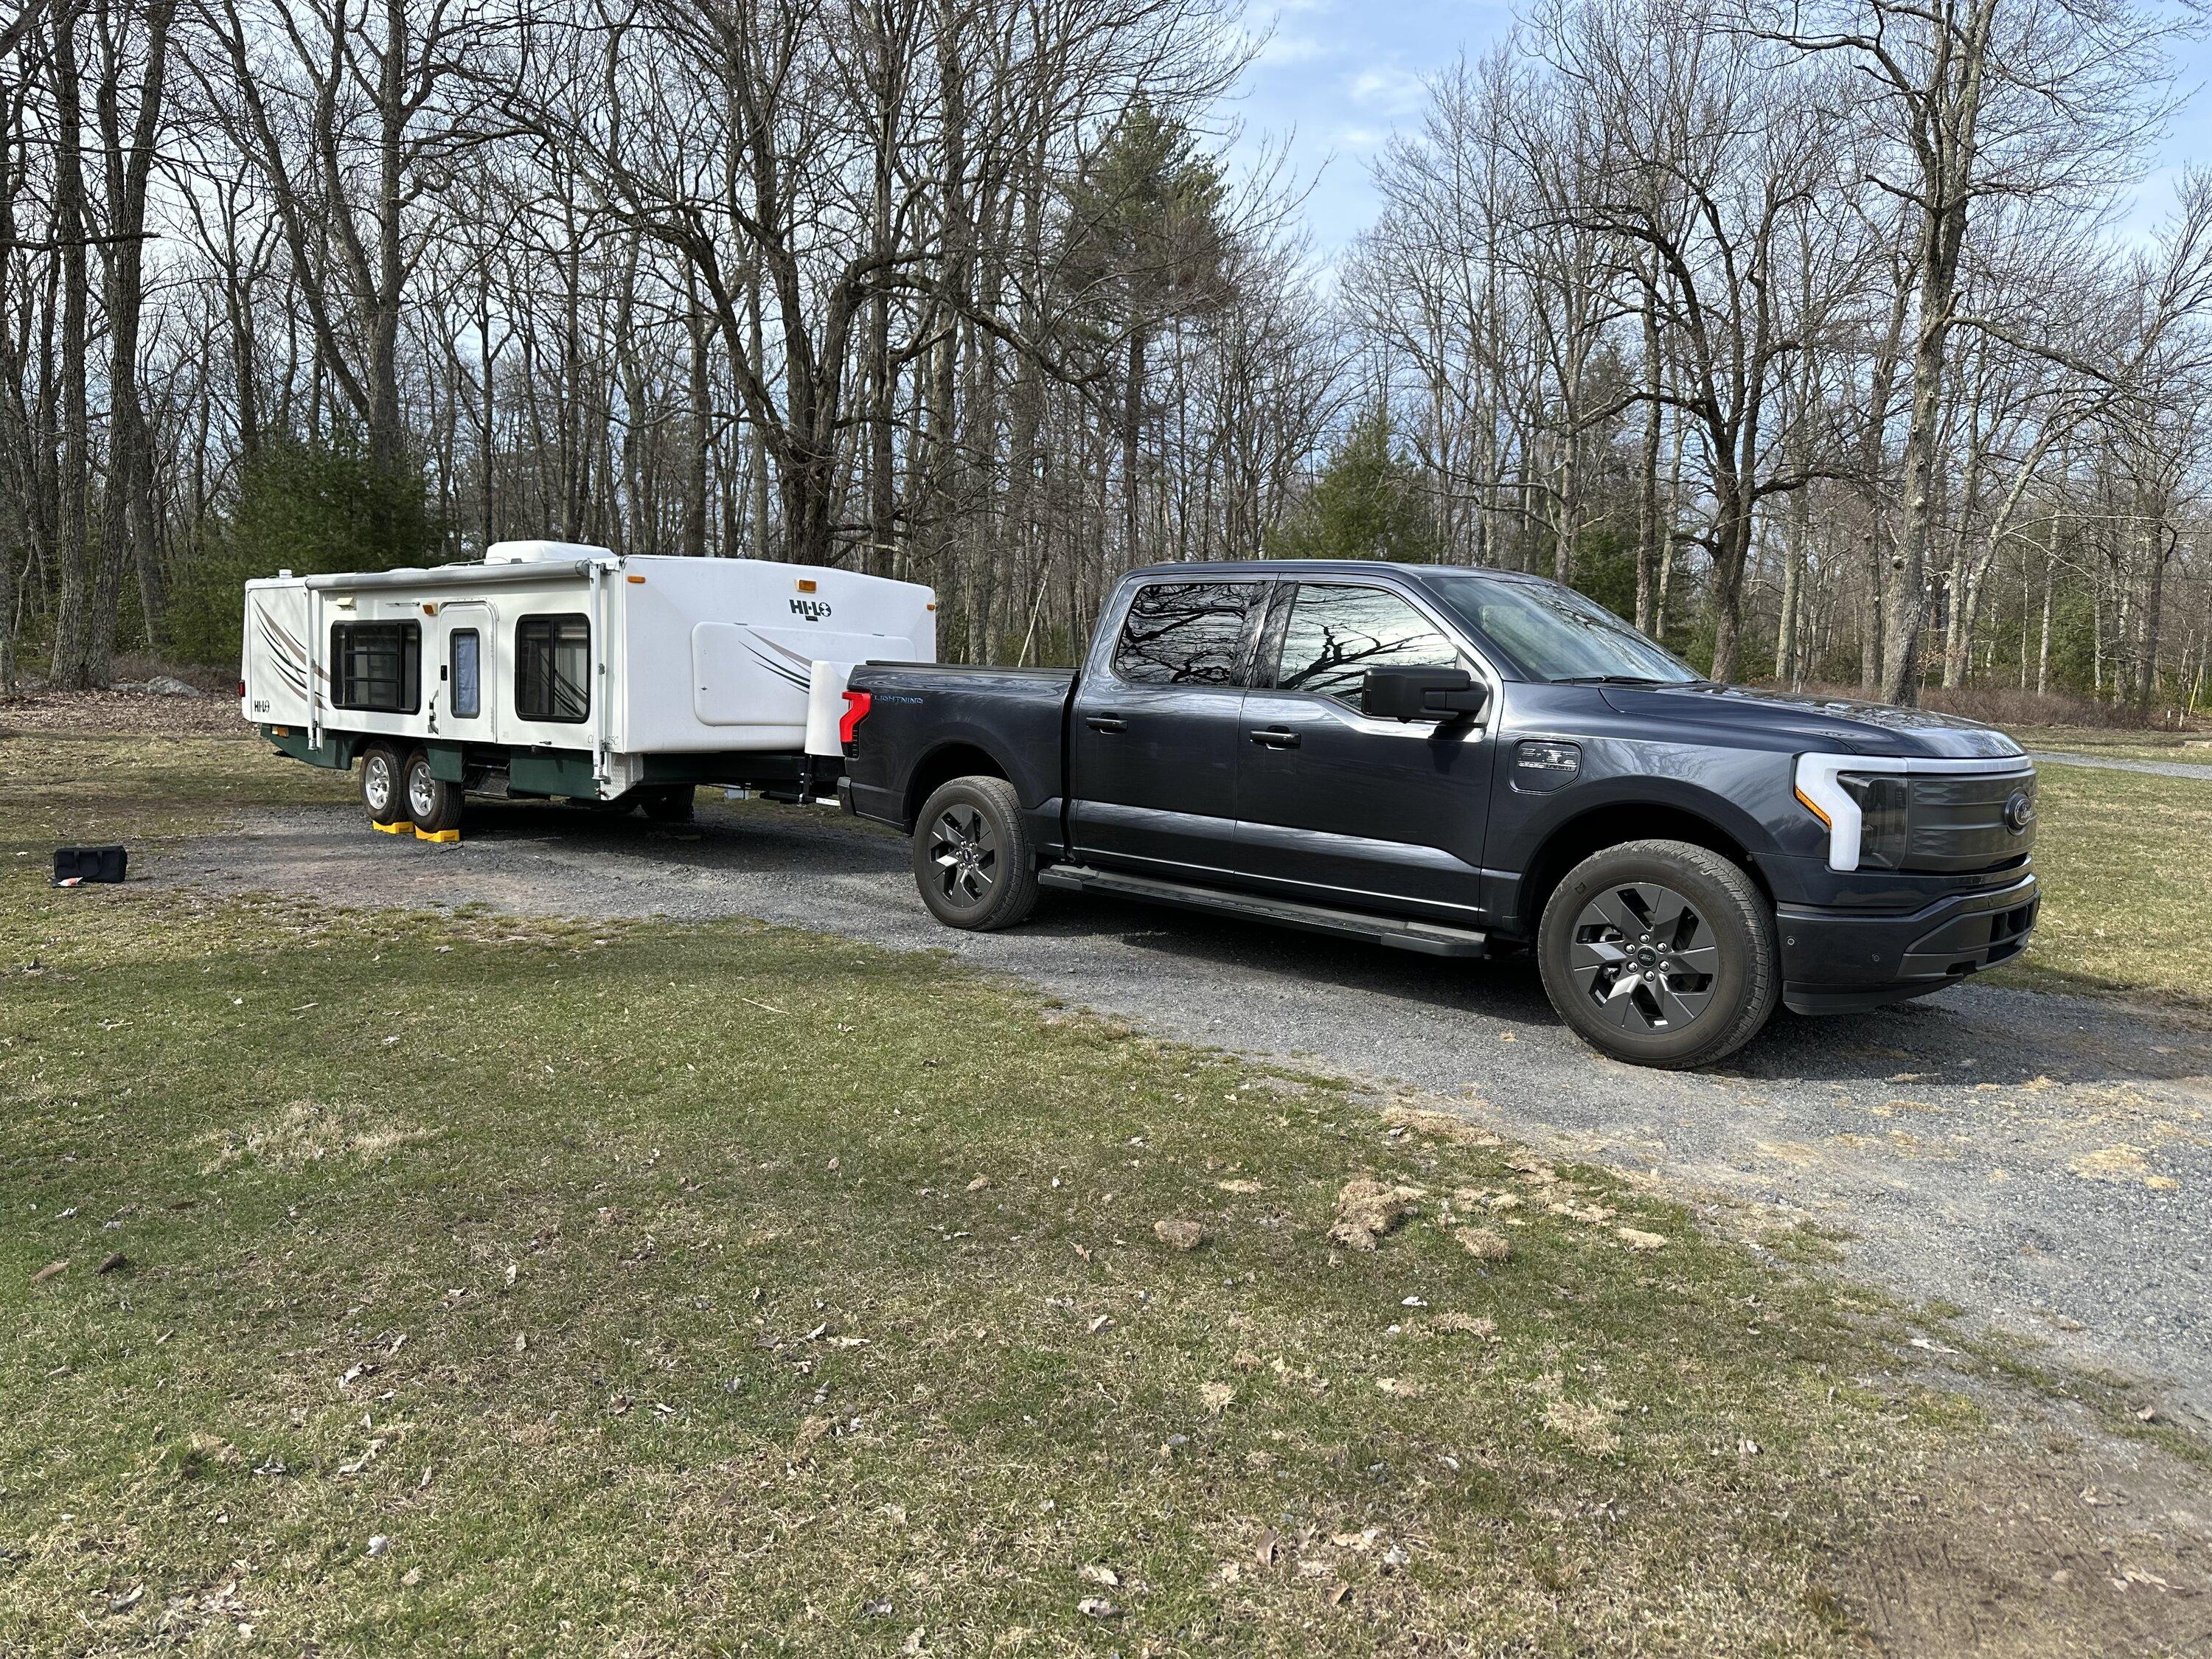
(812, 610)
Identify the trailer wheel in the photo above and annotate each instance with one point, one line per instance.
(972, 859)
(674, 805)
(434, 803)
(1660, 953)
(380, 783)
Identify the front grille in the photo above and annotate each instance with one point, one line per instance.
(1957, 822)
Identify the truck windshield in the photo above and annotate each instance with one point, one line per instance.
(1549, 633)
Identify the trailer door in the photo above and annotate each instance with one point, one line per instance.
(467, 704)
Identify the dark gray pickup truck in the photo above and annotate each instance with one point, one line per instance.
(1463, 762)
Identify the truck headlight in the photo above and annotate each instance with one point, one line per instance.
(1882, 801)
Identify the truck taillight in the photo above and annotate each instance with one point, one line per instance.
(241, 691)
(857, 704)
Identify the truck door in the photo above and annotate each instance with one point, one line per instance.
(1349, 810)
(1152, 743)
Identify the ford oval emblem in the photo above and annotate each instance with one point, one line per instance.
(2019, 812)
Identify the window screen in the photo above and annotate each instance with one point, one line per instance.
(467, 692)
(1337, 634)
(377, 665)
(553, 668)
(1184, 633)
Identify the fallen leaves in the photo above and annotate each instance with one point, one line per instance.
(1098, 1573)
(52, 1270)
(1215, 1397)
(1238, 1186)
(1366, 1209)
(1097, 1607)
(1636, 1239)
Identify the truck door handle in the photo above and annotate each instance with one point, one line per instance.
(1106, 722)
(1276, 736)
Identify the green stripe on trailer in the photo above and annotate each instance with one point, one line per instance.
(336, 752)
(551, 772)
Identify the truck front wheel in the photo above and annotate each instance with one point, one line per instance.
(1660, 953)
(972, 859)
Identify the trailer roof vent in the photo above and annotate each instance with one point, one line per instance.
(536, 552)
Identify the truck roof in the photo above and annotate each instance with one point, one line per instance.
(1331, 567)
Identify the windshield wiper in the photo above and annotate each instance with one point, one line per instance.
(1621, 679)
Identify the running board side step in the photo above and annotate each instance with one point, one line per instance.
(1429, 938)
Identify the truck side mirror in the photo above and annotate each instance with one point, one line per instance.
(1416, 694)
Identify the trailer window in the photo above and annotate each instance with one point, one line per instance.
(467, 696)
(377, 665)
(553, 668)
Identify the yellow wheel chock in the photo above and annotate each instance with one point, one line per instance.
(447, 836)
(398, 827)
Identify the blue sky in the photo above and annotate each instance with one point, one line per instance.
(1338, 76)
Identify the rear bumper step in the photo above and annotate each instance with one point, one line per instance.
(1430, 938)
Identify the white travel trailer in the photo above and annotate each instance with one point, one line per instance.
(555, 669)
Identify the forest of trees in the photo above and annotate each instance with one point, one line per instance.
(1821, 337)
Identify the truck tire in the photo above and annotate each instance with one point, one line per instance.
(1660, 953)
(972, 859)
(434, 803)
(676, 805)
(383, 791)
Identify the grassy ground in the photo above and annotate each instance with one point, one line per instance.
(2127, 887)
(448, 1281)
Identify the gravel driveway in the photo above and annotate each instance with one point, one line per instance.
(2043, 1162)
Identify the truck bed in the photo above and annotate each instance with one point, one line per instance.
(928, 722)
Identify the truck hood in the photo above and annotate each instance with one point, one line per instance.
(1840, 725)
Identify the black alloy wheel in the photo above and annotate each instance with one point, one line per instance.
(1661, 953)
(1644, 958)
(972, 859)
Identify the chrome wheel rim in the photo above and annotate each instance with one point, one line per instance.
(963, 852)
(376, 783)
(422, 791)
(1643, 958)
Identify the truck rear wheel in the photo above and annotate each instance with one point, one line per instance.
(972, 859)
(380, 784)
(434, 803)
(1660, 953)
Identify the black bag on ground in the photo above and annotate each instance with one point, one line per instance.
(88, 864)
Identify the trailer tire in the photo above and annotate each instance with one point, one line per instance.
(1660, 953)
(972, 858)
(677, 805)
(434, 803)
(383, 790)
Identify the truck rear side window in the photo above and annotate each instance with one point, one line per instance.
(377, 667)
(1184, 633)
(1336, 634)
(553, 668)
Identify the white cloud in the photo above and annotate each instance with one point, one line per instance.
(1293, 49)
(1387, 88)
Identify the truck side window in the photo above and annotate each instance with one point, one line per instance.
(553, 668)
(377, 665)
(1336, 634)
(1184, 633)
(467, 695)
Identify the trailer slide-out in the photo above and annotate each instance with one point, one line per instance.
(553, 669)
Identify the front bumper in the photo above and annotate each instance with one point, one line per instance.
(1835, 960)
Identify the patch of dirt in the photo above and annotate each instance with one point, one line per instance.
(121, 715)
(1367, 1208)
(2046, 1539)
